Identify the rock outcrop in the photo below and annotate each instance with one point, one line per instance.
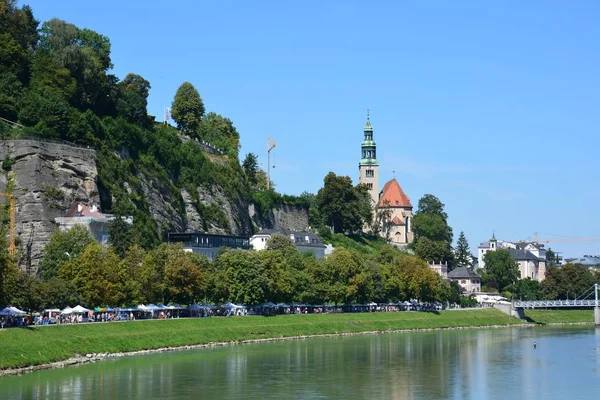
(45, 178)
(282, 216)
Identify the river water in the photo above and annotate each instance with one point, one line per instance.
(468, 364)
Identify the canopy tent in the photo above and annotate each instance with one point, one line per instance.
(67, 310)
(12, 311)
(79, 309)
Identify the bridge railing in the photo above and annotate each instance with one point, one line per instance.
(554, 303)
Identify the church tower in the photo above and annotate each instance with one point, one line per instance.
(368, 167)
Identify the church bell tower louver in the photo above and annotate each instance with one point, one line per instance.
(368, 167)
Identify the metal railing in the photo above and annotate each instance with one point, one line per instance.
(554, 303)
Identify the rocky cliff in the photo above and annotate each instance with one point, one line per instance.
(46, 178)
(282, 216)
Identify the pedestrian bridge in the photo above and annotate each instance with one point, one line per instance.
(555, 303)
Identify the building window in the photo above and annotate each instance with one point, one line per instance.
(370, 186)
(370, 173)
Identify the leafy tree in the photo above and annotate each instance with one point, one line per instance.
(133, 99)
(344, 207)
(131, 265)
(60, 293)
(280, 242)
(97, 274)
(463, 255)
(86, 55)
(241, 277)
(18, 39)
(551, 258)
(382, 221)
(9, 274)
(220, 132)
(63, 247)
(250, 166)
(526, 289)
(570, 281)
(430, 227)
(187, 108)
(47, 111)
(28, 293)
(121, 236)
(500, 270)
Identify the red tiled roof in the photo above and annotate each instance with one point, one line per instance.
(393, 193)
(397, 221)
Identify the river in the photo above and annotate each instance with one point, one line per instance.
(467, 364)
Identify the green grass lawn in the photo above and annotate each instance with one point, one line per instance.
(559, 316)
(32, 346)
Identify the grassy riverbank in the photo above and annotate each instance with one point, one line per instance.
(559, 316)
(34, 346)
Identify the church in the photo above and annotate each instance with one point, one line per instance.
(392, 206)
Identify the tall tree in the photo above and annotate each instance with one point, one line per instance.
(463, 255)
(220, 132)
(500, 270)
(343, 206)
(187, 109)
(250, 166)
(432, 234)
(121, 236)
(133, 99)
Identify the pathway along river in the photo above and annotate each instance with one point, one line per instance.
(467, 364)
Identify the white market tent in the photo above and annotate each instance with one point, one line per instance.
(79, 310)
(67, 310)
(12, 311)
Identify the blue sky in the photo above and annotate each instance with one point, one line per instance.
(491, 106)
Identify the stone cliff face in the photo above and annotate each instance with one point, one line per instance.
(45, 179)
(283, 216)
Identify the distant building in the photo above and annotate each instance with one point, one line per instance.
(467, 279)
(90, 217)
(530, 256)
(303, 241)
(587, 260)
(391, 199)
(440, 268)
(207, 244)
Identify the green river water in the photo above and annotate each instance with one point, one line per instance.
(468, 364)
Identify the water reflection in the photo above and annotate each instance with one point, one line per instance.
(434, 365)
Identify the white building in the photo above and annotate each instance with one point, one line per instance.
(303, 241)
(530, 256)
(90, 217)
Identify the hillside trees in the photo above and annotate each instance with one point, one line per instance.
(343, 206)
(432, 234)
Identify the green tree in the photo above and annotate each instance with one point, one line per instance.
(121, 236)
(526, 289)
(133, 99)
(343, 206)
(131, 265)
(432, 234)
(62, 247)
(187, 109)
(570, 281)
(500, 270)
(551, 258)
(97, 274)
(28, 293)
(241, 277)
(220, 132)
(60, 293)
(250, 166)
(463, 257)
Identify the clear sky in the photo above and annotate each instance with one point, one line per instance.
(491, 106)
